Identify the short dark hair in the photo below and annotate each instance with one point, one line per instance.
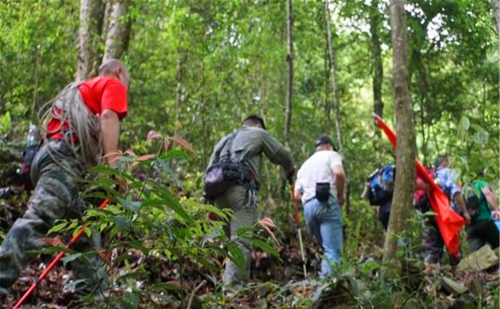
(324, 140)
(440, 159)
(254, 119)
(481, 172)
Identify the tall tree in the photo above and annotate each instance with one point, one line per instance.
(496, 11)
(335, 97)
(118, 32)
(90, 27)
(289, 69)
(378, 68)
(423, 94)
(333, 64)
(405, 150)
(179, 91)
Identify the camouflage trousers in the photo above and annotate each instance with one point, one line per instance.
(244, 215)
(55, 197)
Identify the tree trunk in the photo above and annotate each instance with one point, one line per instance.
(405, 150)
(328, 68)
(108, 11)
(88, 34)
(496, 11)
(334, 78)
(423, 87)
(179, 97)
(119, 30)
(378, 73)
(378, 69)
(333, 66)
(289, 69)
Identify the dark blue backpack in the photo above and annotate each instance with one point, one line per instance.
(381, 185)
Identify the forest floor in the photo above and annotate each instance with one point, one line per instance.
(361, 283)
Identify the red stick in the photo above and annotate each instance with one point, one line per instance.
(295, 207)
(54, 262)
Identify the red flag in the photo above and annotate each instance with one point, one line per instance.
(448, 221)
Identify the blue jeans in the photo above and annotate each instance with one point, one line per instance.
(324, 221)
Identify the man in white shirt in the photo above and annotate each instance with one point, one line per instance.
(320, 186)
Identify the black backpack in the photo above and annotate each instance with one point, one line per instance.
(226, 173)
(473, 199)
(381, 185)
(28, 155)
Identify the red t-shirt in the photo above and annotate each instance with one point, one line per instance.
(98, 94)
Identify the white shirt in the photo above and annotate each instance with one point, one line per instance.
(318, 168)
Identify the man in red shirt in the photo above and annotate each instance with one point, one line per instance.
(83, 128)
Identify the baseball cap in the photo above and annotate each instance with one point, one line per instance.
(323, 140)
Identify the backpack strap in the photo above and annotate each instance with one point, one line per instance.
(229, 143)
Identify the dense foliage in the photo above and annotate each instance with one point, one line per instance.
(199, 67)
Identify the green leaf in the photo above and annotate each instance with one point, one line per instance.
(130, 301)
(481, 138)
(5, 123)
(101, 169)
(166, 287)
(122, 222)
(477, 127)
(175, 154)
(264, 246)
(209, 265)
(235, 254)
(87, 231)
(74, 223)
(166, 197)
(244, 231)
(57, 228)
(130, 205)
(465, 123)
(104, 182)
(166, 168)
(70, 258)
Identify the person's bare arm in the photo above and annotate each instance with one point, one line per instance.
(460, 200)
(110, 130)
(339, 173)
(297, 196)
(491, 198)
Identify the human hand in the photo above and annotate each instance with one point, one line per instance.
(467, 217)
(290, 175)
(341, 199)
(495, 215)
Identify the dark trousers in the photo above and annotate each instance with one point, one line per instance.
(384, 213)
(482, 232)
(434, 243)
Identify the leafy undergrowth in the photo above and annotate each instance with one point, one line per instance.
(360, 286)
(158, 255)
